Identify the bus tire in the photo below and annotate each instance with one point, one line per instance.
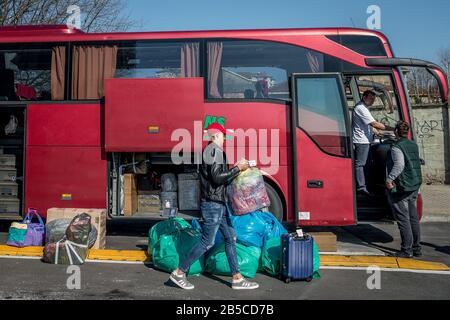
(276, 205)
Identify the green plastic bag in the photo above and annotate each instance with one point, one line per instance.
(164, 228)
(171, 249)
(248, 260)
(271, 258)
(316, 259)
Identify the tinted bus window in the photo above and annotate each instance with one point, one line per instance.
(321, 113)
(32, 72)
(143, 59)
(365, 45)
(92, 64)
(260, 69)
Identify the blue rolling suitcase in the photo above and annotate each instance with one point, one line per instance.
(297, 257)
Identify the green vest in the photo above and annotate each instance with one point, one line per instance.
(411, 177)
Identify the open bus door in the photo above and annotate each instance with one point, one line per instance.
(324, 189)
(432, 68)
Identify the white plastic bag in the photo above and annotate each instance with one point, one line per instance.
(11, 127)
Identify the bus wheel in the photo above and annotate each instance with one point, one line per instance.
(276, 206)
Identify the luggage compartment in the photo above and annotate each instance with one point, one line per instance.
(12, 150)
(140, 185)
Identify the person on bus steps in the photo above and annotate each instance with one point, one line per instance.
(363, 127)
(403, 181)
(214, 177)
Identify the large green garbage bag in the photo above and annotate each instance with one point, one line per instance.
(271, 258)
(171, 249)
(248, 260)
(164, 228)
(316, 259)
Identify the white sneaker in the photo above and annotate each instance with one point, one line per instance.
(181, 281)
(244, 284)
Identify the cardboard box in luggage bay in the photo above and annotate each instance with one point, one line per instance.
(149, 201)
(9, 206)
(130, 194)
(98, 220)
(7, 160)
(9, 189)
(7, 174)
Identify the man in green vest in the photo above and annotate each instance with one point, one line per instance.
(403, 182)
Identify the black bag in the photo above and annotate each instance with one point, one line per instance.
(72, 248)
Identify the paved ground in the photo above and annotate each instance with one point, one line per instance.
(32, 279)
(377, 239)
(436, 202)
(386, 238)
(35, 280)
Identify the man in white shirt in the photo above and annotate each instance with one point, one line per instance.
(363, 125)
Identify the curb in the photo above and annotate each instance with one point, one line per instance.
(325, 260)
(436, 218)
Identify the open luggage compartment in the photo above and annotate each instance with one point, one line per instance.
(12, 144)
(140, 184)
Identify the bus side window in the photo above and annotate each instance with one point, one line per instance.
(32, 72)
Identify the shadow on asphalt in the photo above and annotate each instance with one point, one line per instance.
(373, 236)
(444, 249)
(130, 228)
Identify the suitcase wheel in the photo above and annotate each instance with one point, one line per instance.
(308, 279)
(287, 280)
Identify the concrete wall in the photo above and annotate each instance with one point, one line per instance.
(432, 133)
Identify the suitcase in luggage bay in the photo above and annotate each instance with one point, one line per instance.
(297, 257)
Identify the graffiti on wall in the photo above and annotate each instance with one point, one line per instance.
(426, 129)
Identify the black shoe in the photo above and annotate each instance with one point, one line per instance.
(403, 254)
(364, 192)
(417, 254)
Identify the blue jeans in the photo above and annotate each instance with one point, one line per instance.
(215, 218)
(361, 155)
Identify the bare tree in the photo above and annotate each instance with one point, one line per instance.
(444, 57)
(96, 16)
(422, 86)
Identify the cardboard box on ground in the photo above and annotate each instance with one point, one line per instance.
(98, 220)
(326, 241)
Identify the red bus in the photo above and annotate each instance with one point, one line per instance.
(85, 109)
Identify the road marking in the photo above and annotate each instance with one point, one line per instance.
(141, 256)
(321, 268)
(20, 257)
(115, 261)
(388, 270)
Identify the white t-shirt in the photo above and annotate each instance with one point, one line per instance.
(361, 120)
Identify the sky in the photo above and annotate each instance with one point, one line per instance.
(416, 29)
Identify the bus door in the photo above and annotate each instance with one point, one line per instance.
(322, 151)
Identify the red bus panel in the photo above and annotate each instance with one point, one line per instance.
(142, 114)
(64, 125)
(65, 163)
(65, 177)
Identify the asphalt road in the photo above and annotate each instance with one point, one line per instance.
(32, 279)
